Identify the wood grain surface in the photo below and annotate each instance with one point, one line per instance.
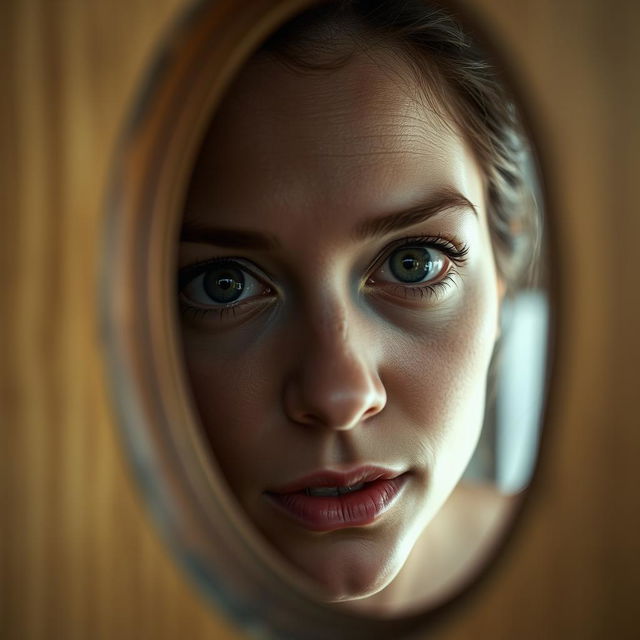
(80, 558)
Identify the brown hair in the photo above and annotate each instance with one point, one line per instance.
(454, 75)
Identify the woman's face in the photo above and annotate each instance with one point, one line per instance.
(339, 308)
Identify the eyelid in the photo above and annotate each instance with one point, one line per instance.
(456, 253)
(191, 271)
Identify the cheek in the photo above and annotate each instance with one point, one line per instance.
(230, 395)
(437, 378)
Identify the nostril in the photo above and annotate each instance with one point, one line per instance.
(371, 411)
(376, 403)
(335, 409)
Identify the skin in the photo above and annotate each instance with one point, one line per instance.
(328, 362)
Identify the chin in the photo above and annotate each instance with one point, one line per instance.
(350, 583)
(351, 569)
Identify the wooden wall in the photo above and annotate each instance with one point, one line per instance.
(79, 557)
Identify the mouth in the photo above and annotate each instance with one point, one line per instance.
(328, 500)
(322, 492)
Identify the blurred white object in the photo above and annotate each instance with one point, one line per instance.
(520, 389)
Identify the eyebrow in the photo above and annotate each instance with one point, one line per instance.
(231, 238)
(439, 202)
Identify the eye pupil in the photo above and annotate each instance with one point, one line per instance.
(224, 284)
(411, 264)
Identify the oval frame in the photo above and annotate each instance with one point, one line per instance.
(180, 481)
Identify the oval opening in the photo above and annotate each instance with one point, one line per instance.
(342, 394)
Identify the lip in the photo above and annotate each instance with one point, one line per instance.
(329, 513)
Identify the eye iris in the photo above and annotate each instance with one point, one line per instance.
(412, 264)
(224, 284)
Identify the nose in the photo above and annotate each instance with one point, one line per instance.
(335, 382)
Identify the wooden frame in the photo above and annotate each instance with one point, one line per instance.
(80, 557)
(179, 478)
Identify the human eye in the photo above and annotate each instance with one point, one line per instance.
(222, 286)
(417, 268)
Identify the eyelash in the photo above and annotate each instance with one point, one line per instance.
(457, 256)
(191, 272)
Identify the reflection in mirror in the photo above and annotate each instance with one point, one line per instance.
(358, 301)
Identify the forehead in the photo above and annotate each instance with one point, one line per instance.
(356, 140)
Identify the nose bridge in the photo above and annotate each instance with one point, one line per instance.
(336, 382)
(332, 319)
